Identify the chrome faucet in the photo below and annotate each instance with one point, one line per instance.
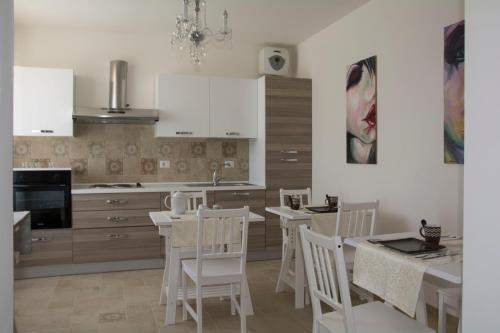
(216, 177)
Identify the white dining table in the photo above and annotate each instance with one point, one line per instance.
(449, 272)
(170, 292)
(292, 219)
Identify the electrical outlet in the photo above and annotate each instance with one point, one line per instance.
(228, 164)
(165, 164)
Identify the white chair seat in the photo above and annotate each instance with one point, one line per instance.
(215, 270)
(373, 317)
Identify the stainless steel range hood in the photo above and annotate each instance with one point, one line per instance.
(118, 111)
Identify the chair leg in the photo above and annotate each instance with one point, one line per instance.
(243, 307)
(232, 299)
(285, 268)
(199, 306)
(184, 295)
(441, 314)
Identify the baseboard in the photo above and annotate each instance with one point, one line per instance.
(72, 269)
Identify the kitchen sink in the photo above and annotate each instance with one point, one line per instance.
(220, 184)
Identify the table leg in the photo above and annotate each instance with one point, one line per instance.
(299, 273)
(163, 295)
(421, 310)
(286, 260)
(249, 306)
(173, 286)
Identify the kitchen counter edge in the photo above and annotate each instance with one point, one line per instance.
(153, 188)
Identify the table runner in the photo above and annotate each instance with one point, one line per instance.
(324, 223)
(185, 231)
(394, 276)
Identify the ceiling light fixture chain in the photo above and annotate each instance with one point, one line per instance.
(192, 34)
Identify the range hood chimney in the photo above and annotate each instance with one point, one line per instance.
(118, 110)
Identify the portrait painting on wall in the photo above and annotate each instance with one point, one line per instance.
(361, 129)
(454, 93)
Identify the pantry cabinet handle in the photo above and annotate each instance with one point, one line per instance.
(289, 151)
(117, 219)
(116, 236)
(116, 201)
(232, 133)
(184, 133)
(289, 159)
(40, 239)
(241, 194)
(43, 131)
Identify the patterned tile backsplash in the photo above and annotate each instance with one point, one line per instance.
(131, 153)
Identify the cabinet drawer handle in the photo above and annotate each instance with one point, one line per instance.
(289, 160)
(232, 133)
(184, 133)
(289, 151)
(116, 236)
(40, 239)
(116, 201)
(42, 131)
(241, 194)
(117, 219)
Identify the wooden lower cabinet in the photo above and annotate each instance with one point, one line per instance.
(255, 199)
(112, 219)
(112, 244)
(49, 247)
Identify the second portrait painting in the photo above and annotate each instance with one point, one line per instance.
(361, 133)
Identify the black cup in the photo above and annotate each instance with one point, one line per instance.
(331, 201)
(431, 233)
(294, 202)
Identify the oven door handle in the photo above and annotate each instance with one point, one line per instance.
(40, 185)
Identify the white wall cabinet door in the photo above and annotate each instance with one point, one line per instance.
(233, 108)
(43, 101)
(183, 102)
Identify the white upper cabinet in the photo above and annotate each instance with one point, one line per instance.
(233, 108)
(43, 101)
(183, 102)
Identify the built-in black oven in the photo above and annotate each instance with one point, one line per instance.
(46, 193)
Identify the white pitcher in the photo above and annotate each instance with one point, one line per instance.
(178, 202)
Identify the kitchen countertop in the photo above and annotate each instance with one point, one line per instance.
(19, 216)
(165, 187)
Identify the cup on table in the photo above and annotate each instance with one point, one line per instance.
(331, 201)
(294, 202)
(430, 232)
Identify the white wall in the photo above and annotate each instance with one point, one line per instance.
(481, 304)
(410, 180)
(89, 54)
(6, 264)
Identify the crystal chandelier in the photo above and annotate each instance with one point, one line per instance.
(191, 31)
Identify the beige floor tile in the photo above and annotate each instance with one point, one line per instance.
(128, 302)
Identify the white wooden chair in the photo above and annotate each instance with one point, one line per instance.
(195, 199)
(221, 262)
(356, 220)
(328, 283)
(289, 235)
(449, 297)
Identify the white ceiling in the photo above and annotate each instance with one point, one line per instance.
(257, 21)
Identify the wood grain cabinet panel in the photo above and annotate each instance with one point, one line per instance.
(111, 218)
(288, 143)
(112, 244)
(49, 247)
(116, 201)
(256, 201)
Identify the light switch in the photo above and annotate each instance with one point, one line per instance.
(165, 164)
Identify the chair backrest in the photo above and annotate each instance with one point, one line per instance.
(356, 219)
(327, 275)
(303, 194)
(228, 237)
(195, 199)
